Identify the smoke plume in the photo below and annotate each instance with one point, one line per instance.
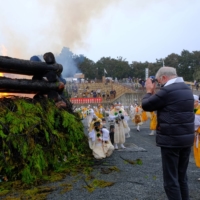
(47, 25)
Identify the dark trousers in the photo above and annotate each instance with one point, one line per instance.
(175, 162)
(112, 137)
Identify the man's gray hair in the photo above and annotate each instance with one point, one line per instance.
(166, 71)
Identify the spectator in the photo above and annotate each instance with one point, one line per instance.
(74, 89)
(103, 95)
(142, 83)
(86, 91)
(174, 104)
(91, 93)
(107, 81)
(114, 93)
(107, 95)
(197, 86)
(83, 95)
(94, 94)
(99, 92)
(111, 94)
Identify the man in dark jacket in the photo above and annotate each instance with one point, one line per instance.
(174, 104)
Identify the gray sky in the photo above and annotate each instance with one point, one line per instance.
(137, 30)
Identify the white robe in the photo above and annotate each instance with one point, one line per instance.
(101, 147)
(120, 128)
(90, 116)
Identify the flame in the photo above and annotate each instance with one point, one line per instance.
(2, 94)
(3, 52)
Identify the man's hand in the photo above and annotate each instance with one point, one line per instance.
(150, 87)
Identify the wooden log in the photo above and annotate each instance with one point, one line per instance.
(9, 85)
(27, 67)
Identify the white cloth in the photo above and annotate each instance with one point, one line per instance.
(196, 122)
(196, 97)
(92, 135)
(174, 80)
(105, 134)
(119, 135)
(112, 117)
(90, 116)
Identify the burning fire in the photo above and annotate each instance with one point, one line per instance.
(2, 94)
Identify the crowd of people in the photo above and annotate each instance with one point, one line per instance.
(105, 94)
(115, 119)
(174, 112)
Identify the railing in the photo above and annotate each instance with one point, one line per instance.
(119, 88)
(86, 100)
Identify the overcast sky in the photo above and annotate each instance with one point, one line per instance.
(137, 30)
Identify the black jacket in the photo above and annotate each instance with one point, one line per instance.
(175, 114)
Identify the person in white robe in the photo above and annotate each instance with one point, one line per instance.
(126, 119)
(99, 142)
(90, 116)
(118, 114)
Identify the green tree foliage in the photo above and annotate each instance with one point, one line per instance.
(187, 65)
(195, 64)
(172, 60)
(138, 69)
(36, 138)
(114, 67)
(88, 68)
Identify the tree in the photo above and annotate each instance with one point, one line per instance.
(114, 67)
(185, 67)
(88, 68)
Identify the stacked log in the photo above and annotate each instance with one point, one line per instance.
(26, 67)
(9, 85)
(45, 78)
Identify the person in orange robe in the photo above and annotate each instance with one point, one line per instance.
(197, 131)
(153, 123)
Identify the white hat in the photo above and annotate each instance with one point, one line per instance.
(196, 98)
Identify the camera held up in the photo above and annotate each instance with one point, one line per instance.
(153, 79)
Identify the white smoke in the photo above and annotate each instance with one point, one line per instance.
(35, 27)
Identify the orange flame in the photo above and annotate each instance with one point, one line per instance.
(2, 94)
(3, 51)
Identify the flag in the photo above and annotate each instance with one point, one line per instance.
(105, 71)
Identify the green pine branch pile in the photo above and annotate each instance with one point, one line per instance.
(37, 138)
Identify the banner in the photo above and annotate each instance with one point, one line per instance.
(85, 100)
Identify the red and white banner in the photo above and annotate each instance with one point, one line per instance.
(85, 100)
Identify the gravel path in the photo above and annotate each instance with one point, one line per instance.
(132, 182)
